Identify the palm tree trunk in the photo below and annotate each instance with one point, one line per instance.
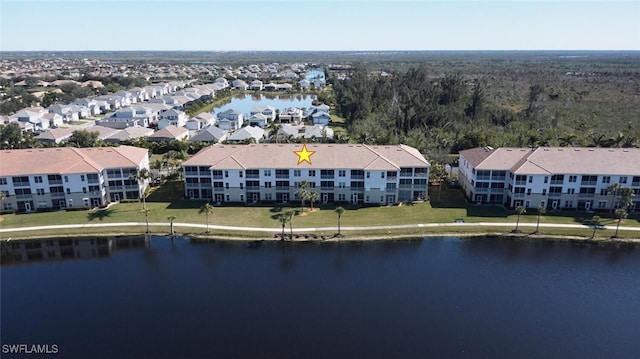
(617, 227)
(538, 224)
(338, 225)
(517, 223)
(282, 238)
(207, 217)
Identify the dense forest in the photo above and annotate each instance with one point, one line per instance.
(442, 106)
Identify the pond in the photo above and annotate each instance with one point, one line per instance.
(437, 297)
(245, 103)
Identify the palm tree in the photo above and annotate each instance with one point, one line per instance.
(146, 217)
(567, 139)
(596, 223)
(2, 197)
(303, 193)
(142, 176)
(171, 219)
(613, 190)
(313, 196)
(621, 214)
(519, 210)
(289, 215)
(626, 196)
(283, 219)
(339, 211)
(541, 211)
(207, 209)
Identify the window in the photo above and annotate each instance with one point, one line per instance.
(226, 185)
(84, 189)
(66, 178)
(342, 197)
(40, 191)
(568, 203)
(381, 174)
(342, 173)
(606, 179)
(623, 180)
(267, 196)
(602, 204)
(312, 173)
(528, 191)
(3, 181)
(341, 185)
(37, 179)
(544, 191)
(546, 179)
(296, 173)
(68, 190)
(241, 185)
(267, 185)
(240, 174)
(573, 178)
(267, 173)
(226, 173)
(530, 179)
(368, 174)
(571, 191)
(82, 178)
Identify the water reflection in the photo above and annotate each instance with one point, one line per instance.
(49, 250)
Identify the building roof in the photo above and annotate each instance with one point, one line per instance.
(68, 160)
(326, 156)
(549, 160)
(209, 134)
(170, 132)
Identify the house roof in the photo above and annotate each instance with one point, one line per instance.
(326, 156)
(55, 134)
(130, 133)
(209, 134)
(68, 160)
(246, 133)
(170, 132)
(548, 160)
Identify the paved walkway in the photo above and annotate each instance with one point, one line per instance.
(309, 229)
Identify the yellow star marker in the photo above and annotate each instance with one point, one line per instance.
(304, 155)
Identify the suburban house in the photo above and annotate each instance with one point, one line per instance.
(550, 177)
(256, 85)
(129, 133)
(55, 135)
(54, 119)
(210, 134)
(65, 177)
(172, 117)
(292, 115)
(91, 104)
(304, 84)
(258, 120)
(239, 85)
(127, 117)
(170, 133)
(315, 132)
(65, 111)
(247, 133)
(230, 120)
(269, 112)
(201, 121)
(337, 172)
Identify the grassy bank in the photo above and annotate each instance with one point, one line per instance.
(166, 201)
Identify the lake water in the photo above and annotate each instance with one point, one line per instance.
(440, 297)
(314, 73)
(245, 103)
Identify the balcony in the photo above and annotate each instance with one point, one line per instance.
(497, 190)
(521, 183)
(51, 182)
(405, 186)
(361, 177)
(90, 180)
(191, 173)
(482, 178)
(518, 195)
(327, 176)
(482, 190)
(325, 188)
(391, 189)
(635, 184)
(24, 196)
(253, 188)
(282, 176)
(586, 195)
(57, 194)
(557, 181)
(282, 188)
(588, 183)
(217, 177)
(253, 176)
(218, 189)
(555, 194)
(420, 174)
(21, 184)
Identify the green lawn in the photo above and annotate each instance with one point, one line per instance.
(166, 201)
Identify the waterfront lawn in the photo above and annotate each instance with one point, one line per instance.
(166, 201)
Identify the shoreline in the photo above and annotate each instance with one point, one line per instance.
(380, 237)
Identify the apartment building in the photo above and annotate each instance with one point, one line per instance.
(338, 172)
(59, 178)
(554, 178)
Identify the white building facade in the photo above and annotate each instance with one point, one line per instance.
(58, 178)
(554, 178)
(358, 174)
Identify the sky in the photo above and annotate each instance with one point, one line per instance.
(317, 25)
